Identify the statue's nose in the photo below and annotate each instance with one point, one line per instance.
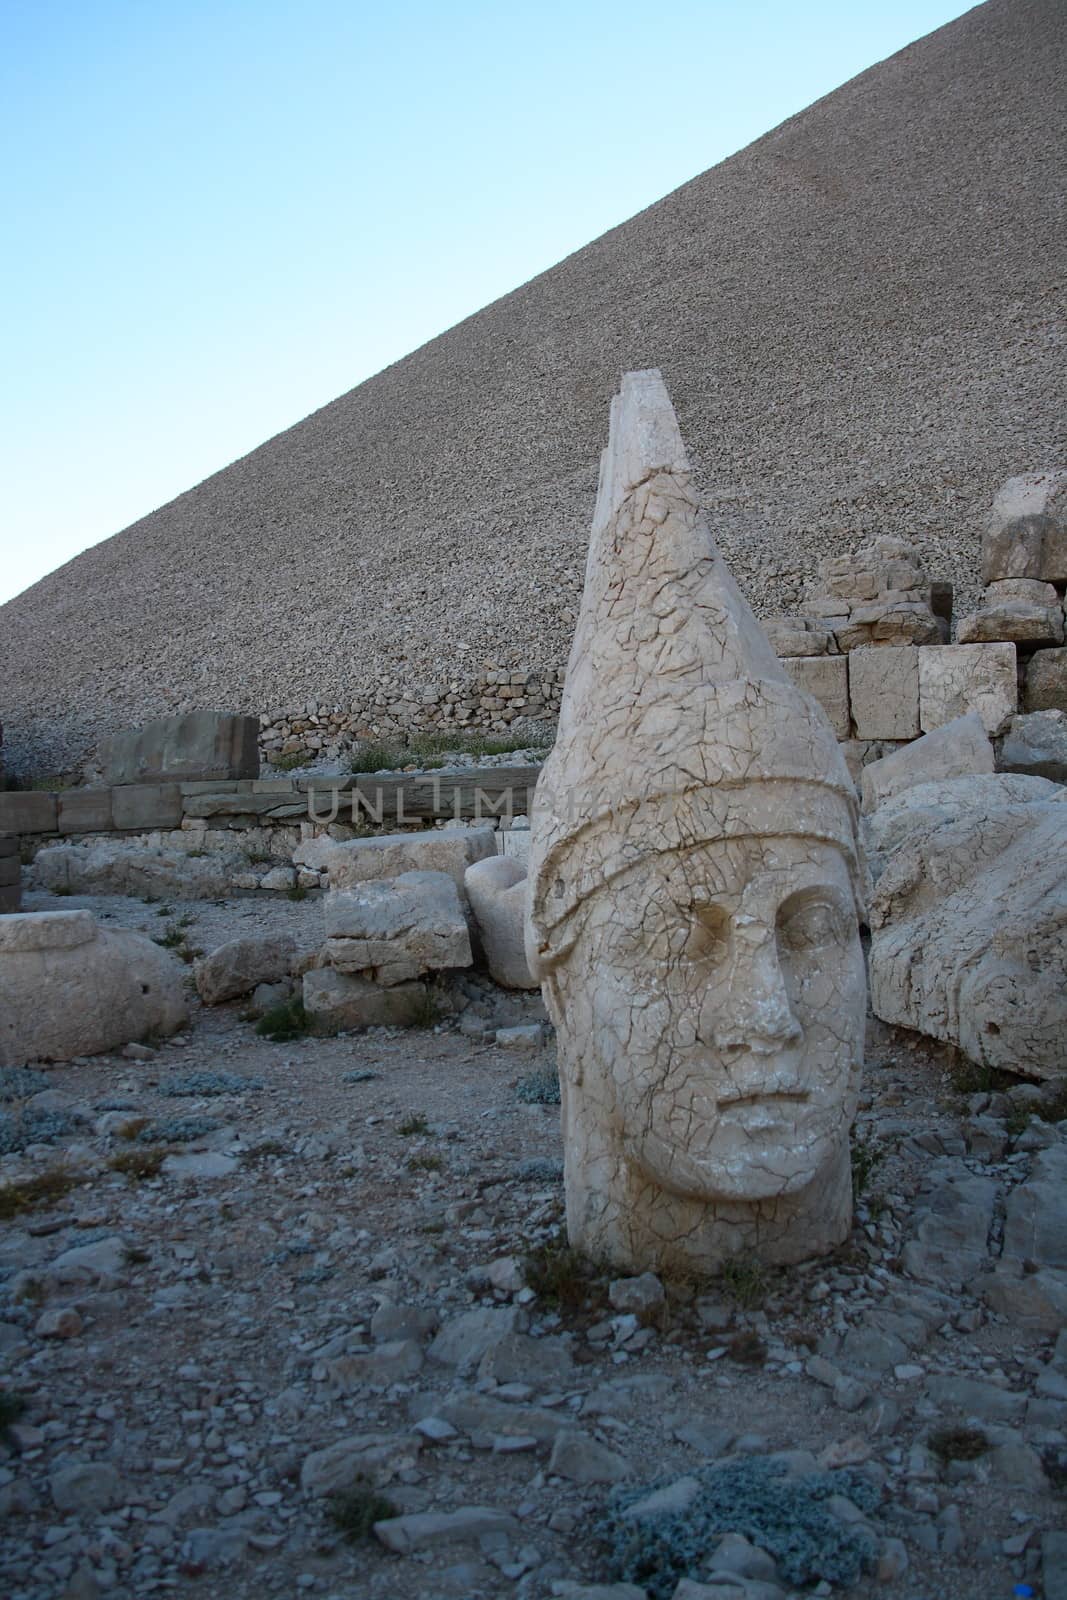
(754, 1013)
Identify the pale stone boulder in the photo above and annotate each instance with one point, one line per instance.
(338, 1002)
(957, 678)
(240, 965)
(959, 749)
(825, 678)
(1037, 744)
(883, 690)
(398, 928)
(695, 883)
(1027, 533)
(938, 800)
(71, 988)
(799, 636)
(358, 861)
(497, 892)
(967, 920)
(1046, 681)
(1019, 609)
(109, 866)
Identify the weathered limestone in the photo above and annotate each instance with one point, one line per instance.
(968, 916)
(1046, 681)
(1019, 609)
(694, 881)
(85, 811)
(798, 636)
(27, 812)
(496, 889)
(395, 929)
(109, 866)
(883, 690)
(957, 678)
(877, 596)
(1037, 744)
(201, 744)
(825, 678)
(10, 875)
(956, 750)
(139, 807)
(1027, 533)
(359, 861)
(240, 965)
(70, 988)
(337, 1002)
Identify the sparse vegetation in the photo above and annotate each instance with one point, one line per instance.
(176, 938)
(298, 891)
(354, 1511)
(747, 1348)
(745, 1282)
(430, 750)
(539, 1089)
(283, 1022)
(18, 1083)
(136, 1163)
(425, 1163)
(288, 763)
(958, 1444)
(208, 1083)
(12, 1407)
(412, 1124)
(558, 1274)
(866, 1155)
(25, 1194)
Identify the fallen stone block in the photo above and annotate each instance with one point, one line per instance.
(1046, 681)
(1019, 609)
(582, 1459)
(398, 928)
(883, 689)
(374, 1455)
(825, 678)
(497, 891)
(966, 923)
(426, 1530)
(70, 988)
(1036, 743)
(336, 1002)
(958, 749)
(113, 866)
(237, 967)
(357, 861)
(1027, 532)
(955, 679)
(201, 745)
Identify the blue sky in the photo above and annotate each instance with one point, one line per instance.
(218, 215)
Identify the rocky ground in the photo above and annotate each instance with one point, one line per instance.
(258, 1271)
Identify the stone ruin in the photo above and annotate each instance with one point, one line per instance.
(695, 885)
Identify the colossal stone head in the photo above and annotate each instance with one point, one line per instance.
(694, 896)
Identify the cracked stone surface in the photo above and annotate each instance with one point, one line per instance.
(695, 880)
(969, 918)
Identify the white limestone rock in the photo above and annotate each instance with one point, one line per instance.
(338, 1002)
(955, 679)
(959, 749)
(883, 691)
(389, 855)
(238, 966)
(968, 919)
(1020, 609)
(825, 678)
(396, 929)
(1036, 744)
(496, 890)
(694, 891)
(1027, 533)
(71, 988)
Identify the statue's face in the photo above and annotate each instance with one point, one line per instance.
(726, 999)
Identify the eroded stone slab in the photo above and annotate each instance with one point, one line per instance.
(955, 679)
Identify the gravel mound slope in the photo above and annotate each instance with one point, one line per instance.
(857, 317)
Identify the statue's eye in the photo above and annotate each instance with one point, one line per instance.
(811, 924)
(708, 934)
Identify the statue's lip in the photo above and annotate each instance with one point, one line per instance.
(762, 1097)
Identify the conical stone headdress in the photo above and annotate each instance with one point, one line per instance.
(678, 723)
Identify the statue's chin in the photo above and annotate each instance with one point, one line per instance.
(771, 1173)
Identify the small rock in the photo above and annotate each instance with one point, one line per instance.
(425, 1530)
(59, 1322)
(85, 1486)
(581, 1459)
(642, 1296)
(527, 1036)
